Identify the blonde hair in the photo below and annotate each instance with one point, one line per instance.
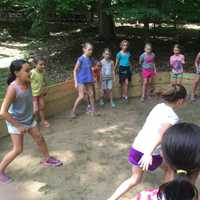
(124, 42)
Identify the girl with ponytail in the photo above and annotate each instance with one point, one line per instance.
(17, 110)
(145, 154)
(181, 151)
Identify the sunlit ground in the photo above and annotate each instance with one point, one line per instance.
(94, 152)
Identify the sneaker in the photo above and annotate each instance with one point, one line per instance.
(113, 105)
(51, 161)
(4, 178)
(72, 115)
(125, 98)
(192, 98)
(142, 99)
(88, 109)
(101, 102)
(93, 112)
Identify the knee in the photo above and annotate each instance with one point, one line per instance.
(39, 139)
(91, 93)
(18, 150)
(81, 96)
(145, 83)
(134, 180)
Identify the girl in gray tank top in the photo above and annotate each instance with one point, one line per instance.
(17, 110)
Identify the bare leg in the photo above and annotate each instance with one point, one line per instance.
(91, 95)
(81, 90)
(195, 85)
(110, 95)
(17, 141)
(179, 80)
(39, 139)
(144, 87)
(128, 184)
(126, 88)
(44, 122)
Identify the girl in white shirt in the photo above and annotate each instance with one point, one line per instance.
(145, 152)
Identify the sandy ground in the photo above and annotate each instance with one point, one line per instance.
(94, 151)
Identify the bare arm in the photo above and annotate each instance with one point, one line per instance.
(113, 72)
(146, 159)
(116, 64)
(183, 60)
(76, 67)
(196, 62)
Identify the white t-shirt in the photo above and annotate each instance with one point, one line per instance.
(160, 114)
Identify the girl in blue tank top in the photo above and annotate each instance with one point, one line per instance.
(83, 79)
(17, 110)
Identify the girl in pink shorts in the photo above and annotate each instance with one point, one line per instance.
(147, 62)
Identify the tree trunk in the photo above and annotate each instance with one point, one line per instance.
(39, 26)
(106, 22)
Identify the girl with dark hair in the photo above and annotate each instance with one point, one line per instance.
(181, 151)
(145, 152)
(17, 110)
(38, 91)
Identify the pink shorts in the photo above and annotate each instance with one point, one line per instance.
(148, 73)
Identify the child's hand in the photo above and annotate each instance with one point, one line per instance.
(22, 130)
(145, 161)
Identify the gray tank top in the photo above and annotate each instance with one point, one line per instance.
(22, 107)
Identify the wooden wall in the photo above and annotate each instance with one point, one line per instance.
(61, 96)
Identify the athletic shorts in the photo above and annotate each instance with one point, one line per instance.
(107, 84)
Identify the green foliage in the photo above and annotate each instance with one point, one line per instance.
(147, 11)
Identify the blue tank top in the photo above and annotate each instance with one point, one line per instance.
(22, 107)
(84, 74)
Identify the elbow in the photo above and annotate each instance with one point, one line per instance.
(2, 114)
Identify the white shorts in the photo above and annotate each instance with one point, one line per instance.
(107, 84)
(13, 130)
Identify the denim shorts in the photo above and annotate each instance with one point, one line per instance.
(13, 130)
(107, 84)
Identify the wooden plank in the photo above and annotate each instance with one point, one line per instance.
(3, 129)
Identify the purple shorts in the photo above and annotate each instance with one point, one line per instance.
(135, 156)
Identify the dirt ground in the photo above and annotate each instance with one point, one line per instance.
(94, 151)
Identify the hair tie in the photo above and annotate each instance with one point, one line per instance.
(181, 171)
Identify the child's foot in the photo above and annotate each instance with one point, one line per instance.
(125, 98)
(45, 124)
(142, 99)
(193, 98)
(51, 161)
(101, 102)
(72, 115)
(88, 109)
(4, 178)
(113, 105)
(93, 112)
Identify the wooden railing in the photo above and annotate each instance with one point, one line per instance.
(61, 96)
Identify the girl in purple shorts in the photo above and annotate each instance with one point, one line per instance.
(145, 152)
(147, 62)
